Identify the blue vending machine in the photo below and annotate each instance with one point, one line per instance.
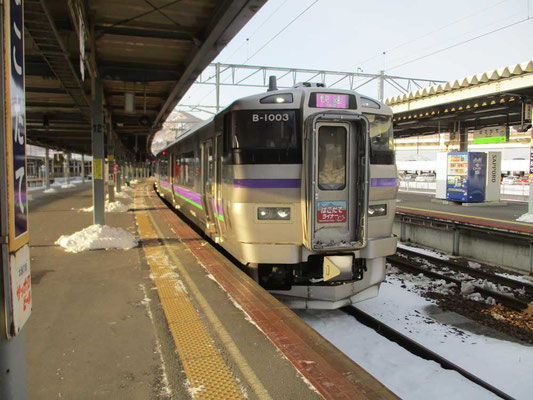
(466, 177)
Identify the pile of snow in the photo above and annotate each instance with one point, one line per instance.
(525, 218)
(50, 190)
(97, 237)
(134, 182)
(67, 186)
(122, 195)
(114, 206)
(421, 251)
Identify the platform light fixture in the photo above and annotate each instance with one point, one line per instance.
(129, 102)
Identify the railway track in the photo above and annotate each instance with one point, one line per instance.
(403, 260)
(476, 273)
(418, 349)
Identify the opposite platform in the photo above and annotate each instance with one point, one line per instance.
(170, 319)
(490, 217)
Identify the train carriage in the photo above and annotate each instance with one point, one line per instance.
(298, 185)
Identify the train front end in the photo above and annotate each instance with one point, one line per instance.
(321, 240)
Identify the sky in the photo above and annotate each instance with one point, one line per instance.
(442, 40)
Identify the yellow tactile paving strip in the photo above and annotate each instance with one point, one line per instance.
(208, 375)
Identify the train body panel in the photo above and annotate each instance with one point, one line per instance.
(298, 185)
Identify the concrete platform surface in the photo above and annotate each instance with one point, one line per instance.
(488, 216)
(171, 318)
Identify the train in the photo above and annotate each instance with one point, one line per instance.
(299, 185)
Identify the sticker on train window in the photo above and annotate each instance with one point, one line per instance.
(331, 212)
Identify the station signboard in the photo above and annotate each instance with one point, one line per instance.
(16, 274)
(493, 134)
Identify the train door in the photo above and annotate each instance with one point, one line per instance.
(218, 213)
(209, 185)
(338, 193)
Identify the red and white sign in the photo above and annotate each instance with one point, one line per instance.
(331, 212)
(20, 287)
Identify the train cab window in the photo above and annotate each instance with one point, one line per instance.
(331, 158)
(381, 139)
(265, 137)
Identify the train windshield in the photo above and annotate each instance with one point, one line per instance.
(381, 139)
(265, 137)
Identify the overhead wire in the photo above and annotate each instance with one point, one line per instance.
(271, 39)
(431, 32)
(460, 43)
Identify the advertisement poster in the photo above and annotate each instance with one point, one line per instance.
(15, 123)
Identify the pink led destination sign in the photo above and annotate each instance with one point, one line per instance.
(329, 100)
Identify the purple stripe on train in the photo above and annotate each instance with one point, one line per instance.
(266, 183)
(384, 182)
(189, 194)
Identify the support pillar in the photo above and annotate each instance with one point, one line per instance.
(68, 168)
(381, 85)
(97, 137)
(118, 177)
(82, 168)
(463, 139)
(47, 168)
(217, 85)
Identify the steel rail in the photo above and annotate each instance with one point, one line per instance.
(471, 271)
(509, 301)
(418, 349)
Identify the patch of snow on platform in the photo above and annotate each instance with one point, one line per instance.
(525, 218)
(50, 190)
(122, 195)
(423, 251)
(114, 206)
(134, 182)
(97, 237)
(67, 186)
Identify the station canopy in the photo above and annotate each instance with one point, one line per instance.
(146, 53)
(498, 97)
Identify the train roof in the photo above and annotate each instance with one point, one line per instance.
(254, 102)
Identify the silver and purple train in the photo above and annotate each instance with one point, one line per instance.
(298, 185)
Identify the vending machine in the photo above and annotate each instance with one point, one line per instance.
(466, 177)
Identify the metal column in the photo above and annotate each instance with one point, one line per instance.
(217, 82)
(82, 168)
(47, 168)
(463, 139)
(68, 168)
(381, 87)
(12, 350)
(97, 119)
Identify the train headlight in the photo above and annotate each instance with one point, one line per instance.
(377, 210)
(274, 213)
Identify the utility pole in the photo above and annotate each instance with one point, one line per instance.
(217, 78)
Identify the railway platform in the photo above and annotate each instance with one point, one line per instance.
(170, 318)
(489, 216)
(486, 233)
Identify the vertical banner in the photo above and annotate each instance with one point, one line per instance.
(15, 105)
(18, 298)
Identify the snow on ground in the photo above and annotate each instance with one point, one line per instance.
(50, 190)
(97, 237)
(68, 185)
(134, 182)
(113, 206)
(122, 195)
(525, 218)
(407, 375)
(506, 365)
(518, 278)
(423, 251)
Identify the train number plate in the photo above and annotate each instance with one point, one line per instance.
(331, 212)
